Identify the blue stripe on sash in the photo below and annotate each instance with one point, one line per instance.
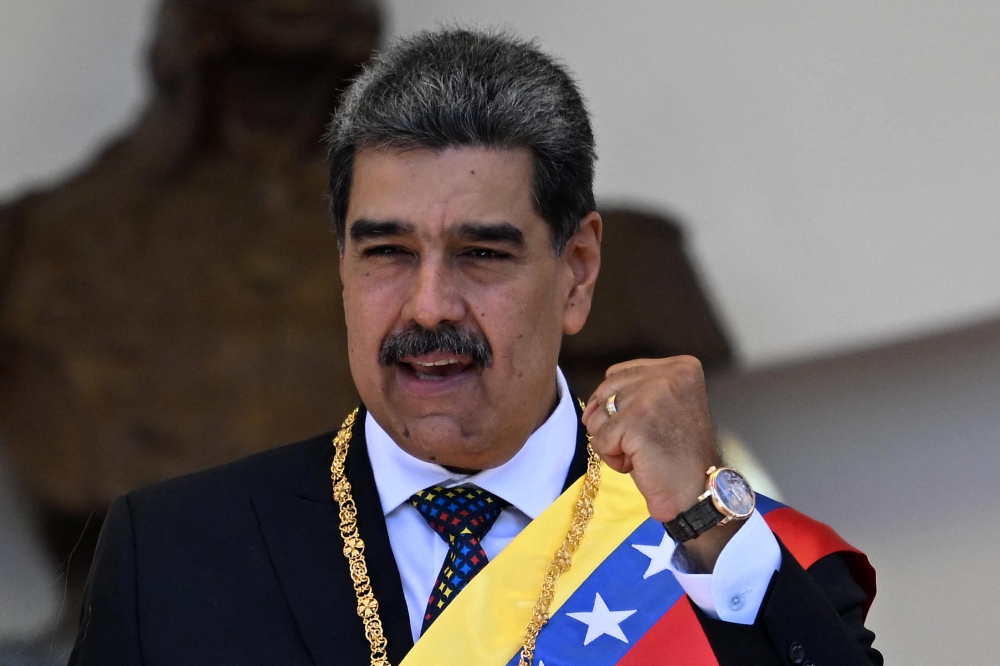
(765, 504)
(619, 580)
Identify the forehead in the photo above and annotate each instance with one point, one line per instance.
(434, 190)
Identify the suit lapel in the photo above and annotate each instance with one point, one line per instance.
(300, 524)
(386, 584)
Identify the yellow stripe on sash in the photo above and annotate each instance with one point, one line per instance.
(485, 623)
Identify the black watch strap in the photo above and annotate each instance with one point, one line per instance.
(695, 521)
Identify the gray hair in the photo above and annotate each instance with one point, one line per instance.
(459, 87)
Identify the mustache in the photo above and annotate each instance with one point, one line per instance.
(415, 340)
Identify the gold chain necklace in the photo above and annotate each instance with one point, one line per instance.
(354, 549)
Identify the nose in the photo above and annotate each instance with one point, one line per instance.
(434, 297)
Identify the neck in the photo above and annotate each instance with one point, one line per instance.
(461, 470)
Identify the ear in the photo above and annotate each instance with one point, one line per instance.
(583, 259)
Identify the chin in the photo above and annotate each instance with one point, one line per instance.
(443, 441)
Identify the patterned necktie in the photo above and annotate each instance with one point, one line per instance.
(461, 516)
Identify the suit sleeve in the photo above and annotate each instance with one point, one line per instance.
(812, 616)
(109, 631)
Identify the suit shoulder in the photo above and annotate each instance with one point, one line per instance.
(219, 485)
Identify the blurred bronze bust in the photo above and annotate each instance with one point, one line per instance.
(177, 304)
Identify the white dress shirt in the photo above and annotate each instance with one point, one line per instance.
(531, 481)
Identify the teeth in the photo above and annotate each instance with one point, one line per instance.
(449, 361)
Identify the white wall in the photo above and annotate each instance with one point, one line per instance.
(836, 163)
(897, 448)
(838, 166)
(71, 76)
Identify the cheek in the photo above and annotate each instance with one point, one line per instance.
(369, 315)
(524, 325)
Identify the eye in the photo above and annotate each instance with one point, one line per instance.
(384, 251)
(485, 253)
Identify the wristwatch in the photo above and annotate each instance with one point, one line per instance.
(728, 497)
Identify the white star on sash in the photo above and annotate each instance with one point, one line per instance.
(602, 620)
(659, 556)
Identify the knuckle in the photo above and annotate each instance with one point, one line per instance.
(688, 369)
(600, 444)
(630, 365)
(644, 408)
(616, 368)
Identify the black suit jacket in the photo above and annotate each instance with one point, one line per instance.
(243, 564)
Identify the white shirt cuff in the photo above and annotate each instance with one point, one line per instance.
(734, 591)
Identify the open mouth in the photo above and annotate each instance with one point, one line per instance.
(435, 367)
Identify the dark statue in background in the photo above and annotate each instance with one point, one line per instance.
(177, 304)
(648, 303)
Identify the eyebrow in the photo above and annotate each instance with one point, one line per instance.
(480, 232)
(363, 229)
(491, 232)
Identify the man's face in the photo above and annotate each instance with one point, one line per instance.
(449, 241)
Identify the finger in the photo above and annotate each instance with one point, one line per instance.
(588, 411)
(607, 444)
(645, 365)
(608, 430)
(596, 414)
(634, 364)
(620, 463)
(625, 386)
(597, 403)
(621, 385)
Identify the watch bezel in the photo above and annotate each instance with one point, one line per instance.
(713, 489)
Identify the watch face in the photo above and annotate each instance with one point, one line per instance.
(733, 493)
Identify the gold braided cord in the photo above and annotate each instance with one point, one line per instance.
(354, 549)
(582, 513)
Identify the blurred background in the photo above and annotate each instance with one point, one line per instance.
(803, 195)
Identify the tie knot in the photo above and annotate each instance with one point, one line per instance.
(462, 512)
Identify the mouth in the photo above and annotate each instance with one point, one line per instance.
(436, 367)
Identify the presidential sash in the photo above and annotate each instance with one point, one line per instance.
(635, 612)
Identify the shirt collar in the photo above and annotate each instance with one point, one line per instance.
(530, 481)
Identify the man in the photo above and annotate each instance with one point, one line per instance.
(461, 171)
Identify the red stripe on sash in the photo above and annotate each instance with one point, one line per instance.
(809, 541)
(676, 639)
